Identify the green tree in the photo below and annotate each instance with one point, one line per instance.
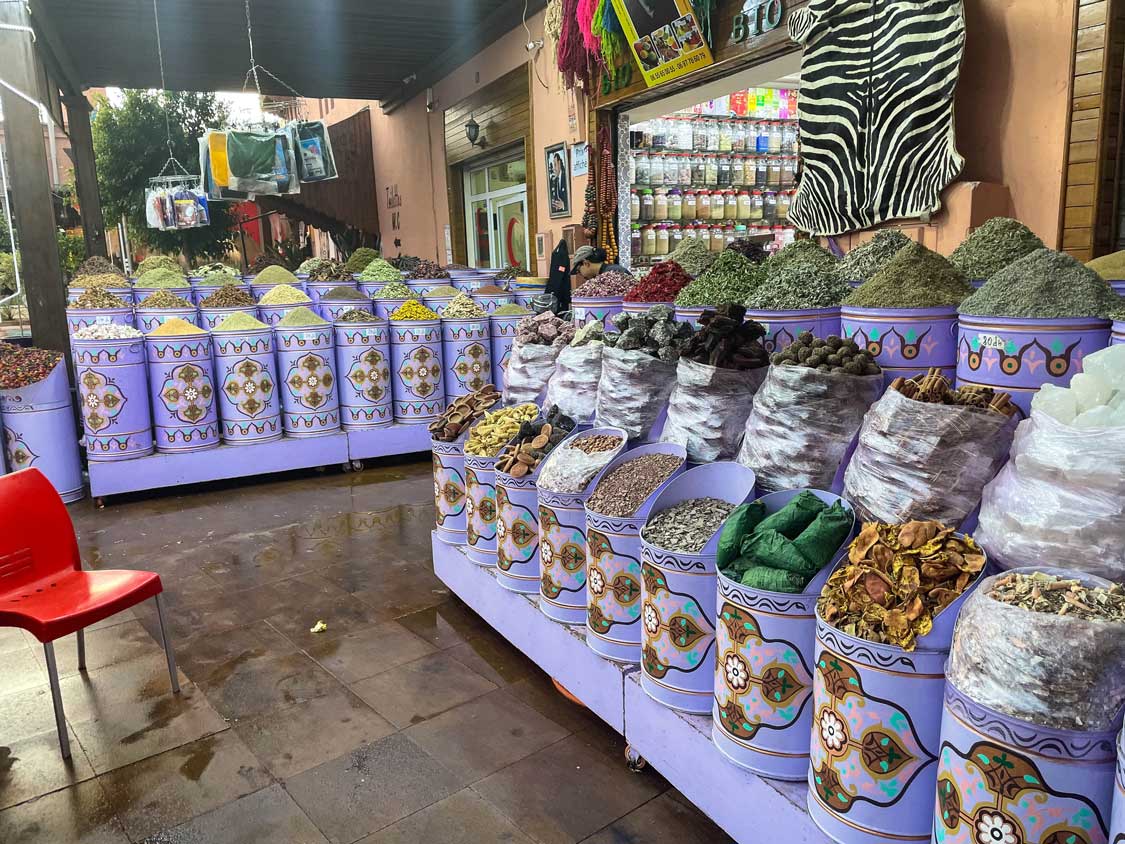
(5, 234)
(130, 148)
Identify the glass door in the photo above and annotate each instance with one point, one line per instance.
(510, 218)
(496, 213)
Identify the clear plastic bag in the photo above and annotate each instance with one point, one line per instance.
(708, 408)
(1060, 500)
(802, 423)
(916, 460)
(574, 386)
(529, 369)
(315, 161)
(1053, 670)
(633, 390)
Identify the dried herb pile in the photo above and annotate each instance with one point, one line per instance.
(606, 285)
(573, 466)
(394, 290)
(158, 262)
(796, 286)
(20, 367)
(662, 284)
(284, 294)
(309, 264)
(1110, 267)
(915, 277)
(97, 298)
(380, 270)
(163, 299)
(101, 280)
(1043, 284)
(331, 271)
(693, 256)
(1048, 593)
(264, 262)
(162, 277)
(868, 258)
(97, 265)
(275, 274)
(688, 526)
(832, 354)
(355, 315)
(993, 246)
(729, 280)
(495, 429)
(360, 259)
(748, 249)
(621, 492)
(228, 297)
(426, 270)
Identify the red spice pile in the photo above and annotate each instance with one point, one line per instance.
(662, 284)
(22, 367)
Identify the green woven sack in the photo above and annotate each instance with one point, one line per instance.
(820, 540)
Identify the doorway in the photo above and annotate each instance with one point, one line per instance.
(496, 212)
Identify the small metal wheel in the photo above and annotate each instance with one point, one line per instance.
(357, 465)
(634, 760)
(345, 467)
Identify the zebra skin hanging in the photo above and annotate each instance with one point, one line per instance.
(875, 109)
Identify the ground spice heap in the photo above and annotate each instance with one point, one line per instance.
(915, 277)
(360, 259)
(512, 272)
(97, 265)
(175, 327)
(427, 269)
(621, 492)
(158, 262)
(533, 442)
(492, 433)
(310, 264)
(107, 331)
(162, 300)
(218, 278)
(240, 322)
(1110, 267)
(380, 270)
(573, 466)
(412, 309)
(1043, 285)
(935, 388)
(748, 249)
(228, 297)
(283, 294)
(898, 577)
(606, 286)
(993, 246)
(544, 329)
(654, 332)
(1048, 593)
(510, 310)
(162, 278)
(463, 307)
(331, 271)
(726, 340)
(20, 367)
(275, 274)
(489, 290)
(102, 280)
(263, 262)
(806, 278)
(832, 354)
(868, 258)
(462, 412)
(394, 290)
(693, 256)
(442, 291)
(662, 284)
(355, 315)
(96, 298)
(301, 317)
(688, 526)
(343, 293)
(729, 281)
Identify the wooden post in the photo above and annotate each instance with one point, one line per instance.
(86, 174)
(30, 185)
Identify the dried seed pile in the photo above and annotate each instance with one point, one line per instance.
(831, 354)
(301, 317)
(100, 280)
(163, 300)
(534, 441)
(355, 315)
(1048, 593)
(442, 291)
(510, 310)
(662, 284)
(228, 297)
(97, 298)
(283, 294)
(240, 322)
(360, 259)
(463, 307)
(606, 286)
(991, 247)
(412, 309)
(275, 274)
(97, 265)
(380, 270)
(573, 466)
(158, 262)
(621, 492)
(462, 412)
(897, 579)
(263, 262)
(544, 329)
(688, 526)
(654, 332)
(513, 272)
(935, 388)
(725, 340)
(427, 269)
(162, 277)
(404, 262)
(107, 331)
(176, 327)
(693, 256)
(394, 290)
(343, 293)
(489, 290)
(492, 433)
(913, 278)
(730, 279)
(20, 367)
(1044, 284)
(868, 258)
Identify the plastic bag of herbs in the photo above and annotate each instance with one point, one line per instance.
(922, 460)
(529, 369)
(1046, 646)
(578, 368)
(804, 418)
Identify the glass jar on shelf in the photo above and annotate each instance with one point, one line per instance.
(788, 171)
(738, 136)
(689, 209)
(739, 231)
(710, 169)
(783, 205)
(712, 135)
(769, 206)
(660, 203)
(634, 204)
(718, 205)
(718, 244)
(631, 166)
(699, 134)
(775, 137)
(671, 169)
(648, 240)
(643, 175)
(730, 203)
(726, 141)
(656, 169)
(756, 206)
(773, 172)
(744, 205)
(675, 204)
(675, 236)
(761, 137)
(747, 178)
(723, 174)
(648, 205)
(789, 138)
(729, 234)
(683, 134)
(662, 239)
(703, 204)
(690, 232)
(635, 241)
(659, 132)
(761, 171)
(698, 171)
(683, 169)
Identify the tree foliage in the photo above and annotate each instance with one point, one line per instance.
(130, 148)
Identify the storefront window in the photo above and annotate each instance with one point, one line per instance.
(496, 213)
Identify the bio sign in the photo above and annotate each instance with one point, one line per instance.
(756, 18)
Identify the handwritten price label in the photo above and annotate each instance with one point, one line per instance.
(991, 341)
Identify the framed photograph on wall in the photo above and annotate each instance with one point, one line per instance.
(558, 181)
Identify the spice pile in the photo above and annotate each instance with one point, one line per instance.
(805, 253)
(101, 280)
(228, 297)
(162, 278)
(394, 290)
(163, 300)
(96, 299)
(97, 265)
(106, 331)
(1095, 397)
(275, 274)
(606, 286)
(1048, 593)
(591, 332)
(512, 272)
(621, 492)
(404, 262)
(462, 412)
(343, 293)
(263, 262)
(688, 526)
(662, 284)
(330, 271)
(729, 280)
(442, 291)
(217, 267)
(544, 329)
(176, 327)
(654, 332)
(414, 310)
(1110, 267)
(898, 578)
(463, 307)
(785, 550)
(934, 388)
(914, 278)
(993, 246)
(693, 256)
(489, 290)
(868, 258)
(511, 310)
(283, 294)
(533, 443)
(725, 340)
(803, 280)
(355, 315)
(240, 321)
(360, 259)
(309, 264)
(300, 318)
(748, 249)
(159, 262)
(573, 466)
(828, 355)
(218, 278)
(426, 269)
(20, 367)
(493, 432)
(380, 270)
(1044, 285)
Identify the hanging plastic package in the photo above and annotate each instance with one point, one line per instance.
(262, 163)
(213, 166)
(190, 206)
(315, 161)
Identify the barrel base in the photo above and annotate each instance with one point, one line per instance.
(523, 586)
(838, 831)
(562, 614)
(166, 437)
(70, 496)
(110, 449)
(362, 418)
(481, 555)
(625, 654)
(450, 537)
(254, 441)
(694, 703)
(788, 769)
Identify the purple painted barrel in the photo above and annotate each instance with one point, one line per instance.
(422, 286)
(363, 364)
(199, 292)
(437, 304)
(765, 650)
(416, 383)
(306, 365)
(502, 330)
(317, 289)
(876, 724)
(517, 532)
(385, 307)
(489, 302)
(678, 596)
(246, 378)
(209, 318)
(1118, 335)
(113, 388)
(480, 509)
(1019, 356)
(271, 315)
(562, 544)
(1117, 818)
(641, 308)
(905, 342)
(39, 432)
(692, 315)
(466, 354)
(331, 310)
(125, 294)
(1118, 286)
(182, 389)
(1004, 779)
(149, 319)
(525, 297)
(370, 288)
(613, 567)
(782, 327)
(77, 318)
(588, 309)
(140, 293)
(450, 496)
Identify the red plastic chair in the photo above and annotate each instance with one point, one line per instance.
(43, 588)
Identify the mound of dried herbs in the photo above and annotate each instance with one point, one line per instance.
(868, 258)
(915, 277)
(993, 246)
(1043, 284)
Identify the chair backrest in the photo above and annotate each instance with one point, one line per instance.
(36, 535)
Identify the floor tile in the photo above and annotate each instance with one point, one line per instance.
(445, 625)
(370, 788)
(662, 820)
(538, 692)
(106, 646)
(494, 658)
(343, 614)
(80, 813)
(13, 639)
(23, 669)
(407, 593)
(421, 689)
(34, 766)
(267, 684)
(268, 816)
(25, 713)
(214, 657)
(464, 818)
(357, 656)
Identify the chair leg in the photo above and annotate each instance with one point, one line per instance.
(167, 647)
(81, 650)
(56, 699)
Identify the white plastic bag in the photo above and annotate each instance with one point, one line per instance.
(574, 385)
(529, 369)
(1060, 500)
(633, 390)
(916, 460)
(708, 408)
(802, 423)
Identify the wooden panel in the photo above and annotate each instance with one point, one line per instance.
(1092, 14)
(1077, 238)
(1091, 38)
(1081, 174)
(1081, 216)
(1089, 61)
(1085, 151)
(1083, 130)
(503, 111)
(1079, 195)
(1087, 102)
(1077, 113)
(1089, 83)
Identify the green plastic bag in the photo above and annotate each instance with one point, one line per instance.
(743, 519)
(769, 548)
(774, 580)
(795, 516)
(820, 540)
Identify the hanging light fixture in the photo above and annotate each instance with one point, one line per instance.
(472, 133)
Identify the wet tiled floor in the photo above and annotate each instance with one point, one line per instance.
(407, 721)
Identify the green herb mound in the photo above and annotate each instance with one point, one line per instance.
(993, 246)
(728, 281)
(360, 259)
(1044, 285)
(868, 258)
(915, 277)
(275, 275)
